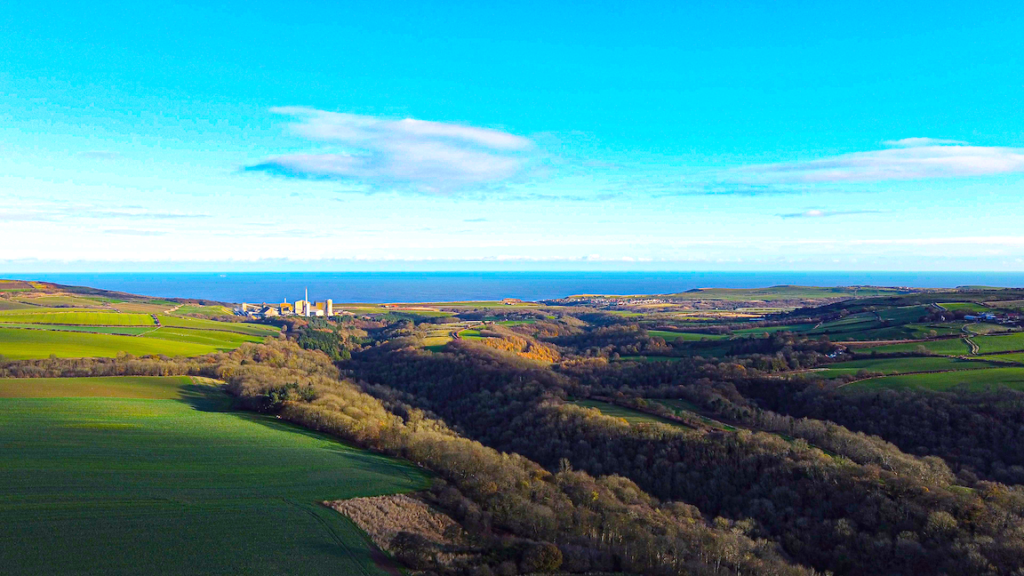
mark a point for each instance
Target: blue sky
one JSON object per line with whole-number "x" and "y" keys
{"x": 643, "y": 135}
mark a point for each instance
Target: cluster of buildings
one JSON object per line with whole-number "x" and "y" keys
{"x": 300, "y": 308}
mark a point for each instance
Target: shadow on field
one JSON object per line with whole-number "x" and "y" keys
{"x": 205, "y": 398}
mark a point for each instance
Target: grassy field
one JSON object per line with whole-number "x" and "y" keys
{"x": 218, "y": 339}
{"x": 965, "y": 306}
{"x": 951, "y": 347}
{"x": 1009, "y": 343}
{"x": 204, "y": 310}
{"x": 201, "y": 324}
{"x": 148, "y": 387}
{"x": 1013, "y": 357}
{"x": 125, "y": 330}
{"x": 903, "y": 314}
{"x": 684, "y": 336}
{"x": 974, "y": 380}
{"x": 627, "y": 414}
{"x": 176, "y": 486}
{"x": 901, "y": 366}
{"x": 18, "y": 344}
{"x": 13, "y": 305}
{"x": 155, "y": 307}
{"x": 772, "y": 329}
{"x": 78, "y": 318}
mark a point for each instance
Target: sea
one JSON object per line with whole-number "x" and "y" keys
{"x": 380, "y": 287}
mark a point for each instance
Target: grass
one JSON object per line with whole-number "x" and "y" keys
{"x": 203, "y": 310}
{"x": 772, "y": 329}
{"x": 144, "y": 307}
{"x": 669, "y": 336}
{"x": 965, "y": 306}
{"x": 150, "y": 387}
{"x": 78, "y": 318}
{"x": 649, "y": 358}
{"x": 902, "y": 365}
{"x": 223, "y": 341}
{"x": 177, "y": 486}
{"x": 973, "y": 380}
{"x": 16, "y": 344}
{"x": 67, "y": 301}
{"x": 470, "y": 335}
{"x": 986, "y": 328}
{"x": 627, "y": 414}
{"x": 1015, "y": 357}
{"x": 126, "y": 330}
{"x": 201, "y": 324}
{"x": 904, "y": 314}
{"x": 949, "y": 347}
{"x": 13, "y": 305}
{"x": 1009, "y": 343}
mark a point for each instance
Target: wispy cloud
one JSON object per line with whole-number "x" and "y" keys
{"x": 917, "y": 142}
{"x": 827, "y": 213}
{"x": 908, "y": 159}
{"x": 429, "y": 157}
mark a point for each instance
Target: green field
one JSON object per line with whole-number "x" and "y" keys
{"x": 684, "y": 336}
{"x": 201, "y": 324}
{"x": 13, "y": 305}
{"x": 950, "y": 347}
{"x": 901, "y": 366}
{"x": 176, "y": 486}
{"x": 150, "y": 387}
{"x": 1014, "y": 357}
{"x": 215, "y": 338}
{"x": 974, "y": 380}
{"x": 18, "y": 344}
{"x": 627, "y": 414}
{"x": 965, "y": 306}
{"x": 203, "y": 310}
{"x": 772, "y": 329}
{"x": 78, "y": 318}
{"x": 1009, "y": 343}
{"x": 126, "y": 330}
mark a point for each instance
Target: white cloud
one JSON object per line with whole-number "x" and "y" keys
{"x": 913, "y": 159}
{"x": 917, "y": 142}
{"x": 431, "y": 157}
{"x": 815, "y": 213}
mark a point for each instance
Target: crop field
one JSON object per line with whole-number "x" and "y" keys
{"x": 985, "y": 328}
{"x": 19, "y": 344}
{"x": 772, "y": 329}
{"x": 156, "y": 307}
{"x": 180, "y": 485}
{"x": 903, "y": 315}
{"x": 627, "y": 414}
{"x": 964, "y": 306}
{"x": 203, "y": 310}
{"x": 13, "y": 305}
{"x": 1009, "y": 343}
{"x": 151, "y": 387}
{"x": 973, "y": 380}
{"x": 949, "y": 347}
{"x": 933, "y": 330}
{"x": 684, "y": 336}
{"x": 902, "y": 366}
{"x": 223, "y": 341}
{"x": 78, "y": 318}
{"x": 201, "y": 324}
{"x": 125, "y": 330}
{"x": 68, "y": 301}
{"x": 1012, "y": 357}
